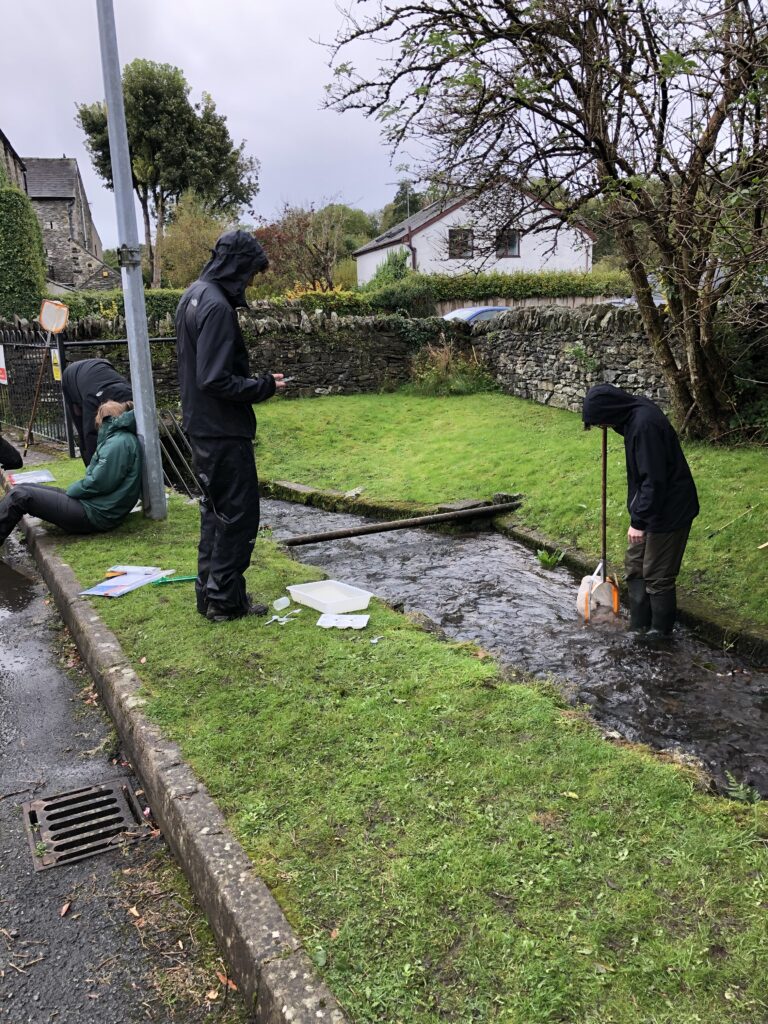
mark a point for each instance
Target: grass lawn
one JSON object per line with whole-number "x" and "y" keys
{"x": 438, "y": 449}
{"x": 451, "y": 846}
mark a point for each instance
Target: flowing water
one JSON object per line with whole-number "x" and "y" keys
{"x": 493, "y": 591}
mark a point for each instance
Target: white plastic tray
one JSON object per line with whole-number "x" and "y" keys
{"x": 330, "y": 596}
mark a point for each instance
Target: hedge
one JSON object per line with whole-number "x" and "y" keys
{"x": 160, "y": 303}
{"x": 414, "y": 295}
{"x": 549, "y": 284}
{"x": 417, "y": 294}
{"x": 22, "y": 257}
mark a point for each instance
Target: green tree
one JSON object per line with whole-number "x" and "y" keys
{"x": 189, "y": 238}
{"x": 407, "y": 201}
{"x": 174, "y": 145}
{"x": 22, "y": 256}
{"x": 306, "y": 245}
{"x": 657, "y": 110}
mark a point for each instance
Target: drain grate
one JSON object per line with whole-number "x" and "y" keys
{"x": 82, "y": 823}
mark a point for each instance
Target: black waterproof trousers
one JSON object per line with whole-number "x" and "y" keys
{"x": 48, "y": 503}
{"x": 657, "y": 560}
{"x": 229, "y": 521}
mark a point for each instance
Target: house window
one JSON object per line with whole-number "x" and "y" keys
{"x": 460, "y": 244}
{"x": 508, "y": 243}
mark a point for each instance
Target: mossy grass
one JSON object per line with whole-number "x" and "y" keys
{"x": 449, "y": 844}
{"x": 429, "y": 450}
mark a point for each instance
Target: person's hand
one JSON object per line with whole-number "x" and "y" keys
{"x": 635, "y": 536}
{"x": 279, "y": 381}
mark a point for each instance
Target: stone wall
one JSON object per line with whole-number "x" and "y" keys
{"x": 325, "y": 355}
{"x": 554, "y": 355}
{"x": 329, "y": 355}
{"x": 69, "y": 261}
{"x": 550, "y": 354}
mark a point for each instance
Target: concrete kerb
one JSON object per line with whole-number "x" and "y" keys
{"x": 699, "y": 616}
{"x": 265, "y": 957}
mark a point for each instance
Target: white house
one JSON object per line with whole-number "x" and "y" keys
{"x": 447, "y": 237}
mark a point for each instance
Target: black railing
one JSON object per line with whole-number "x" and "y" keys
{"x": 31, "y": 394}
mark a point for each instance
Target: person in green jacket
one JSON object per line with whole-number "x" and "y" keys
{"x": 106, "y": 494}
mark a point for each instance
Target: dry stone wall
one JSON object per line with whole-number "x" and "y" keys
{"x": 332, "y": 355}
{"x": 550, "y": 355}
{"x": 553, "y": 355}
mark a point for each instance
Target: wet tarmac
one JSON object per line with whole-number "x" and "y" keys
{"x": 70, "y": 951}
{"x": 493, "y": 591}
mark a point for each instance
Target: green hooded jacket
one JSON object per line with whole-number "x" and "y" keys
{"x": 112, "y": 483}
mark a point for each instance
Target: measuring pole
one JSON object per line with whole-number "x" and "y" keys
{"x": 129, "y": 254}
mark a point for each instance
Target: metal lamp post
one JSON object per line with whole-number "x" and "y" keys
{"x": 129, "y": 253}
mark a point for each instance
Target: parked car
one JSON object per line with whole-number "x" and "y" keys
{"x": 472, "y": 314}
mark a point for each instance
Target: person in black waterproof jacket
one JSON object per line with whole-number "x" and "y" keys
{"x": 217, "y": 398}
{"x": 661, "y": 498}
{"x": 86, "y": 384}
{"x": 10, "y": 457}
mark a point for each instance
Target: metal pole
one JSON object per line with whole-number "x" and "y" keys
{"x": 68, "y": 431}
{"x": 130, "y": 266}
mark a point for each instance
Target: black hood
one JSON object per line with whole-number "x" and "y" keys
{"x": 237, "y": 256}
{"x": 606, "y": 404}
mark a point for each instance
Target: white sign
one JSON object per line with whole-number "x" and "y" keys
{"x": 3, "y": 371}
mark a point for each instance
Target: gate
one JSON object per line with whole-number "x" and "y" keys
{"x": 30, "y": 363}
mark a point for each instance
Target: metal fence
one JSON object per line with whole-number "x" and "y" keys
{"x": 30, "y": 380}
{"x": 31, "y": 395}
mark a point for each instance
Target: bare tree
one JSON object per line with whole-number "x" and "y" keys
{"x": 650, "y": 112}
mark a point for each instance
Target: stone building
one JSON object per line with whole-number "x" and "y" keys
{"x": 11, "y": 163}
{"x": 72, "y": 244}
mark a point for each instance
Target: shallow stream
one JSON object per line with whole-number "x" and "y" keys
{"x": 491, "y": 590}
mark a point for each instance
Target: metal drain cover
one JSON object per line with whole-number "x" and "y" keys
{"x": 79, "y": 824}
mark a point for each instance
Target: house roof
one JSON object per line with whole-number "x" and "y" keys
{"x": 398, "y": 234}
{"x": 51, "y": 177}
{"x": 6, "y": 144}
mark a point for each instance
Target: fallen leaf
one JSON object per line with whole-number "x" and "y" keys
{"x": 180, "y": 944}
{"x": 226, "y": 981}
{"x": 143, "y": 661}
{"x": 134, "y": 912}
{"x": 65, "y": 907}
{"x": 570, "y": 795}
{"x": 604, "y": 969}
{"x": 334, "y": 933}
{"x": 213, "y": 994}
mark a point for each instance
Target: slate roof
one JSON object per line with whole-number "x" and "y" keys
{"x": 399, "y": 232}
{"x": 51, "y": 177}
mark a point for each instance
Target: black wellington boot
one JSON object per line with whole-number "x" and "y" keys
{"x": 639, "y": 606}
{"x": 663, "y": 612}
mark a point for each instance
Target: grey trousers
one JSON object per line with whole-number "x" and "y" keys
{"x": 657, "y": 560}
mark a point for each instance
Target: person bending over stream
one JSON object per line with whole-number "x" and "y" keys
{"x": 106, "y": 494}
{"x": 661, "y": 498}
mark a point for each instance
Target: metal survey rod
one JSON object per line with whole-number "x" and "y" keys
{"x": 482, "y": 511}
{"x": 129, "y": 256}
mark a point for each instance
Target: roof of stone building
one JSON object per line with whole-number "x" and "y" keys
{"x": 5, "y": 142}
{"x": 51, "y": 177}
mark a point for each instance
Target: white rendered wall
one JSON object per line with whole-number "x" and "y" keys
{"x": 567, "y": 249}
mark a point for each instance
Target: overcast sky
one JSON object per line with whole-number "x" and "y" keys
{"x": 256, "y": 58}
